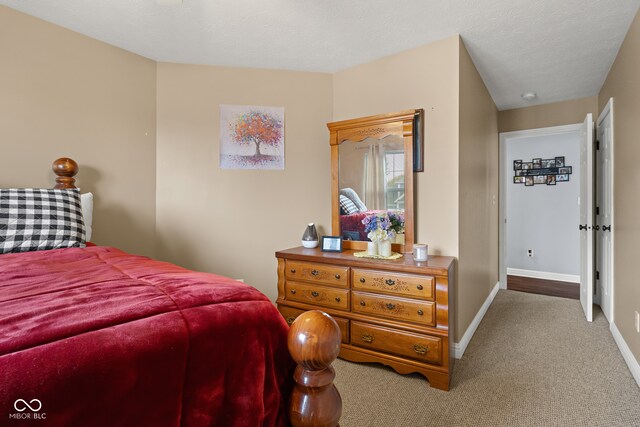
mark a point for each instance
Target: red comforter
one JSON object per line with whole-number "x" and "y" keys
{"x": 103, "y": 338}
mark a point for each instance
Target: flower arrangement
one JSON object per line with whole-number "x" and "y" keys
{"x": 383, "y": 225}
{"x": 397, "y": 221}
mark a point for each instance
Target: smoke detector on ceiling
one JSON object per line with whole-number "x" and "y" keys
{"x": 529, "y": 96}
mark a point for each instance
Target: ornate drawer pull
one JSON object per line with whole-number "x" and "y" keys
{"x": 293, "y": 270}
{"x": 290, "y": 320}
{"x": 314, "y": 272}
{"x": 390, "y": 282}
{"x": 293, "y": 291}
{"x": 362, "y": 280}
{"x": 314, "y": 294}
{"x": 420, "y": 349}
{"x": 338, "y": 299}
{"x": 391, "y": 306}
{"x": 338, "y": 276}
{"x": 420, "y": 312}
{"x": 367, "y": 337}
{"x": 419, "y": 287}
{"x": 362, "y": 303}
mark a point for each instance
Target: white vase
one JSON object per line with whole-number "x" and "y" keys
{"x": 384, "y": 248}
{"x": 372, "y": 248}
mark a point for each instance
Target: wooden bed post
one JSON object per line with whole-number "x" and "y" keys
{"x": 314, "y": 343}
{"x": 65, "y": 169}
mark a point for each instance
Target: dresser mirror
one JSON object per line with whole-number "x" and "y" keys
{"x": 372, "y": 164}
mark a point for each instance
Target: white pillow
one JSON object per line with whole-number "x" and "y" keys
{"x": 86, "y": 200}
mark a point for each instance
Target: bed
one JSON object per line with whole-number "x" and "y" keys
{"x": 351, "y": 226}
{"x": 96, "y": 336}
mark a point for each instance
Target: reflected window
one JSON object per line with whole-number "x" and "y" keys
{"x": 394, "y": 180}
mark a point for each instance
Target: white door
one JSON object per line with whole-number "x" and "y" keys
{"x": 586, "y": 217}
{"x": 604, "y": 217}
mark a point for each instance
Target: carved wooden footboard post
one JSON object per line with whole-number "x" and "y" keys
{"x": 314, "y": 343}
{"x": 65, "y": 169}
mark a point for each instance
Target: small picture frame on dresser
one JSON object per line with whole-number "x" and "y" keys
{"x": 331, "y": 244}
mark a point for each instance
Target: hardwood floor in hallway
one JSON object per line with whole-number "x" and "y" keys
{"x": 552, "y": 288}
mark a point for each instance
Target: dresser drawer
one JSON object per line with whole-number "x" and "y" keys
{"x": 422, "y": 312}
{"x": 290, "y": 314}
{"x": 425, "y": 348}
{"x": 394, "y": 283}
{"x": 317, "y": 273}
{"x": 318, "y": 295}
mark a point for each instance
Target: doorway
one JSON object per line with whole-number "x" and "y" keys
{"x": 540, "y": 210}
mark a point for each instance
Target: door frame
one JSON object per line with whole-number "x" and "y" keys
{"x": 608, "y": 109}
{"x": 503, "y": 179}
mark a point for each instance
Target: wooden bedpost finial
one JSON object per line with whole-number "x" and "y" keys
{"x": 314, "y": 343}
{"x": 65, "y": 169}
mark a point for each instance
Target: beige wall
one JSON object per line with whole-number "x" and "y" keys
{"x": 231, "y": 222}
{"x": 64, "y": 94}
{"x": 478, "y": 194}
{"x": 547, "y": 115}
{"x": 425, "y": 77}
{"x": 623, "y": 85}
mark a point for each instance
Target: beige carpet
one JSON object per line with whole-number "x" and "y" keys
{"x": 534, "y": 361}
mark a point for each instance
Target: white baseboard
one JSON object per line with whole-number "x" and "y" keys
{"x": 573, "y": 278}
{"x": 632, "y": 363}
{"x": 460, "y": 347}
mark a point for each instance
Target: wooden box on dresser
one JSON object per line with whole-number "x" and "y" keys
{"x": 394, "y": 312}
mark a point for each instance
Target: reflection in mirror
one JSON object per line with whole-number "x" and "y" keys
{"x": 371, "y": 179}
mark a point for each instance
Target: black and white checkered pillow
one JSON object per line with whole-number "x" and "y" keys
{"x": 347, "y": 206}
{"x": 34, "y": 219}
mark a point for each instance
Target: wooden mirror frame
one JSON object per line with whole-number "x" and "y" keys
{"x": 400, "y": 123}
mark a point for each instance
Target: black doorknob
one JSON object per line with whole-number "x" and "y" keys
{"x": 582, "y": 227}
{"x": 606, "y": 228}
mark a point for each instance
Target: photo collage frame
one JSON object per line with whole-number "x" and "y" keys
{"x": 541, "y": 171}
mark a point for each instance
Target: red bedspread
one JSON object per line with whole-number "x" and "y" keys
{"x": 104, "y": 338}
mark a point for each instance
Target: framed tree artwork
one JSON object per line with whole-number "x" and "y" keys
{"x": 251, "y": 137}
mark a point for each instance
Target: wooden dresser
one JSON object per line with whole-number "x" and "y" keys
{"x": 392, "y": 312}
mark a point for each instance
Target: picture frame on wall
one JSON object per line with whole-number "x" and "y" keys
{"x": 251, "y": 137}
{"x": 565, "y": 170}
{"x": 541, "y": 171}
{"x": 418, "y": 141}
{"x": 548, "y": 163}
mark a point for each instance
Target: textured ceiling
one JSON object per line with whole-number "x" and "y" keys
{"x": 560, "y": 49}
